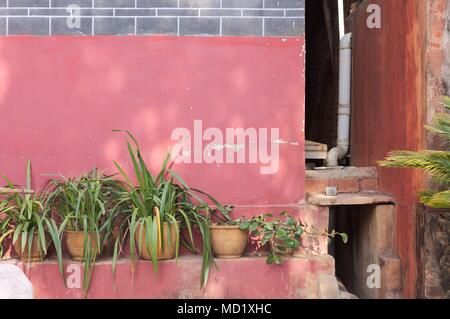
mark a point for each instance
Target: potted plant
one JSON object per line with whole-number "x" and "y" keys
{"x": 228, "y": 239}
{"x": 25, "y": 218}
{"x": 87, "y": 209}
{"x": 282, "y": 234}
{"x": 162, "y": 206}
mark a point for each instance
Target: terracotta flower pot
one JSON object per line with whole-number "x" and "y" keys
{"x": 75, "y": 244}
{"x": 228, "y": 242}
{"x": 169, "y": 245}
{"x": 35, "y": 254}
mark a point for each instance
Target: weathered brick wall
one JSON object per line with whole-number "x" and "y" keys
{"x": 154, "y": 17}
{"x": 435, "y": 255}
{"x": 434, "y": 230}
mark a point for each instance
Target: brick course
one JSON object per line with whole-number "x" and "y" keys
{"x": 279, "y": 18}
{"x": 349, "y": 180}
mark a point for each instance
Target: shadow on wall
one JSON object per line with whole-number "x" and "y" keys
{"x": 61, "y": 97}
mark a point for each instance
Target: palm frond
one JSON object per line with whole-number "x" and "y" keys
{"x": 441, "y": 127}
{"x": 446, "y": 102}
{"x": 436, "y": 199}
{"x": 435, "y": 163}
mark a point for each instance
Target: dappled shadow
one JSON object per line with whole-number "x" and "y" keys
{"x": 61, "y": 97}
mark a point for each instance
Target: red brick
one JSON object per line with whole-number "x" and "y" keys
{"x": 346, "y": 185}
{"x": 316, "y": 185}
{"x": 369, "y": 184}
{"x": 391, "y": 274}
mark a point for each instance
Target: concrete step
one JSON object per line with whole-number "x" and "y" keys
{"x": 248, "y": 277}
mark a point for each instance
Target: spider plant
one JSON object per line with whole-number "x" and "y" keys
{"x": 166, "y": 199}
{"x": 86, "y": 207}
{"x": 25, "y": 218}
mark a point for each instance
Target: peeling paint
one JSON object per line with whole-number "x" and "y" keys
{"x": 234, "y": 147}
{"x": 281, "y": 141}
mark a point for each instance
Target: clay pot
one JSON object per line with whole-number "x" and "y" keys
{"x": 34, "y": 255}
{"x": 169, "y": 245}
{"x": 228, "y": 242}
{"x": 75, "y": 244}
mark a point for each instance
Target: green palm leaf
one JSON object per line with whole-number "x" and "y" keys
{"x": 434, "y": 163}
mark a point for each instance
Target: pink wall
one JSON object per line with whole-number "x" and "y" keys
{"x": 61, "y": 97}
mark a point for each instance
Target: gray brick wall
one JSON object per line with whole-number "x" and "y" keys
{"x": 281, "y": 18}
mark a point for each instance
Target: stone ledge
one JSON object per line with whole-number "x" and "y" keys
{"x": 248, "y": 277}
{"x": 349, "y": 199}
{"x": 346, "y": 172}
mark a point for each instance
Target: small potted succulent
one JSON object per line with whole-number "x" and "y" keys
{"x": 25, "y": 219}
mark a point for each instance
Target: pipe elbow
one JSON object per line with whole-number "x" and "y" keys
{"x": 346, "y": 41}
{"x": 336, "y": 154}
{"x": 333, "y": 157}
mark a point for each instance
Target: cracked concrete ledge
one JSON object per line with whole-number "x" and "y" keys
{"x": 346, "y": 172}
{"x": 349, "y": 199}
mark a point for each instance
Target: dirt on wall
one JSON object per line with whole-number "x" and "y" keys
{"x": 388, "y": 102}
{"x": 436, "y": 255}
{"x": 434, "y": 226}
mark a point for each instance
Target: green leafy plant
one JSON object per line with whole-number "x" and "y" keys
{"x": 166, "y": 198}
{"x": 435, "y": 163}
{"x": 91, "y": 204}
{"x": 226, "y": 221}
{"x": 24, "y": 217}
{"x": 282, "y": 233}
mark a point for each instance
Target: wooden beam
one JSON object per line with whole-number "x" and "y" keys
{"x": 315, "y": 150}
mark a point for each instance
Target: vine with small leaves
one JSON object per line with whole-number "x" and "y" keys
{"x": 282, "y": 233}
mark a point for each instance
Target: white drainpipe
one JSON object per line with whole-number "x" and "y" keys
{"x": 344, "y": 110}
{"x": 341, "y": 18}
